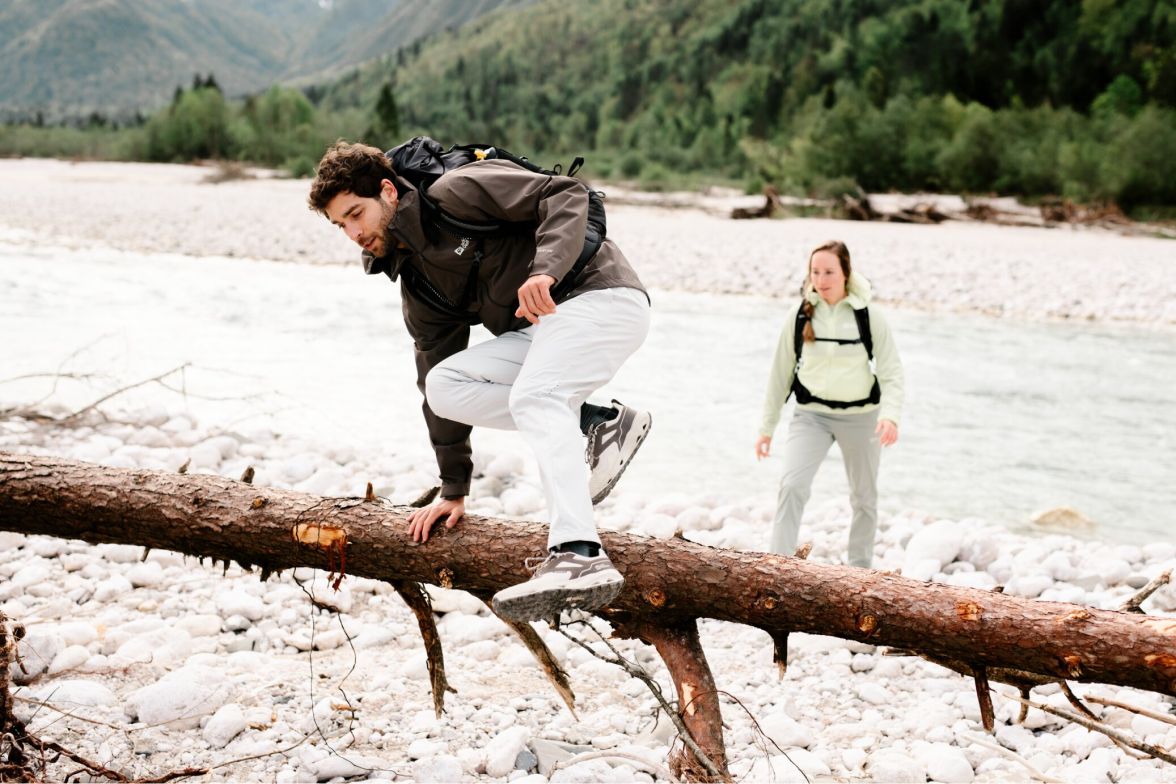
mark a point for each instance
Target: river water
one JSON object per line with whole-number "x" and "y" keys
{"x": 1003, "y": 418}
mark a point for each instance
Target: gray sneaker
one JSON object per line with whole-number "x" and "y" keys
{"x": 561, "y": 581}
{"x": 611, "y": 446}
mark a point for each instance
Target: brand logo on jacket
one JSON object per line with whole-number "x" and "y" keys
{"x": 460, "y": 249}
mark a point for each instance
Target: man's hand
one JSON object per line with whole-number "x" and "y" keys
{"x": 420, "y": 521}
{"x": 887, "y": 432}
{"x": 535, "y": 298}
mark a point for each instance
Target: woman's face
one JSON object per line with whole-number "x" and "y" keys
{"x": 826, "y": 276}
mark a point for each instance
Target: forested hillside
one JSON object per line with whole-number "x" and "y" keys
{"x": 1025, "y": 96}
{"x": 68, "y": 59}
{"x": 1028, "y": 97}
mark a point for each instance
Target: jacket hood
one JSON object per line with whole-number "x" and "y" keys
{"x": 857, "y": 286}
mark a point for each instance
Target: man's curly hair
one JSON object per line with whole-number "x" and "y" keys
{"x": 358, "y": 168}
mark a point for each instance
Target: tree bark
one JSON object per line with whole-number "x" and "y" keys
{"x": 669, "y": 583}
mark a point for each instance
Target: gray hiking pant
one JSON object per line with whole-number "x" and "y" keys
{"x": 809, "y": 437}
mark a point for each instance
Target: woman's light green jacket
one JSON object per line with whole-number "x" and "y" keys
{"x": 832, "y": 371}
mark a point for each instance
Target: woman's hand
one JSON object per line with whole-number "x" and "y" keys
{"x": 420, "y": 521}
{"x": 763, "y": 447}
{"x": 887, "y": 432}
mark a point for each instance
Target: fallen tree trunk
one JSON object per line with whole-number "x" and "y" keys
{"x": 669, "y": 583}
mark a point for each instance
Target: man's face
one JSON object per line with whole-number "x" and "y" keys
{"x": 365, "y": 220}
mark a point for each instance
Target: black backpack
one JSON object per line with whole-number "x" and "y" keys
{"x": 865, "y": 337}
{"x": 422, "y": 160}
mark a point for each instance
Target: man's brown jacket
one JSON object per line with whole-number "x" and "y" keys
{"x": 556, "y": 209}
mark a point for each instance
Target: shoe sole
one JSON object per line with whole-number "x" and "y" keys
{"x": 545, "y": 605}
{"x": 596, "y": 499}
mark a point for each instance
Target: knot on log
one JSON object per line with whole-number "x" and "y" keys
{"x": 656, "y": 597}
{"x": 258, "y": 503}
{"x": 968, "y": 611}
{"x": 867, "y": 624}
{"x": 330, "y": 538}
{"x": 1073, "y": 665}
{"x": 768, "y": 602}
{"x": 1075, "y": 616}
{"x": 445, "y": 578}
{"x": 1161, "y": 661}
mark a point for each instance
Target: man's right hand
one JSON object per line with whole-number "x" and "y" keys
{"x": 420, "y": 521}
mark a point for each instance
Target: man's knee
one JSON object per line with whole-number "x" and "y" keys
{"x": 441, "y": 384}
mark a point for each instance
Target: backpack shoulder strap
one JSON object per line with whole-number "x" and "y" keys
{"x": 863, "y": 321}
{"x": 798, "y": 331}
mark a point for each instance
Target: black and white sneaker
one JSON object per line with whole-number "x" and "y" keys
{"x": 611, "y": 446}
{"x": 561, "y": 581}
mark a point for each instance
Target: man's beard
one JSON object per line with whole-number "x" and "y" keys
{"x": 387, "y": 219}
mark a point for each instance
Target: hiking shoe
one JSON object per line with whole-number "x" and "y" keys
{"x": 561, "y": 581}
{"x": 611, "y": 446}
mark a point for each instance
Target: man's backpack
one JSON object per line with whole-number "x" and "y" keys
{"x": 865, "y": 337}
{"x": 422, "y": 160}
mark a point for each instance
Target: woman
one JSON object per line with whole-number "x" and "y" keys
{"x": 826, "y": 351}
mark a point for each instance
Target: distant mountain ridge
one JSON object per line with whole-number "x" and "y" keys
{"x": 69, "y": 58}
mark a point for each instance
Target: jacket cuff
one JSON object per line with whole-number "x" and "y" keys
{"x": 455, "y": 490}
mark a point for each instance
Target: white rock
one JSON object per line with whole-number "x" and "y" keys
{"x": 68, "y": 694}
{"x": 78, "y": 633}
{"x": 10, "y": 541}
{"x": 589, "y": 772}
{"x": 119, "y": 553}
{"x": 809, "y": 762}
{"x": 942, "y": 540}
{"x": 1099, "y": 767}
{"x": 37, "y": 650}
{"x": 297, "y": 469}
{"x": 945, "y": 763}
{"x": 228, "y": 722}
{"x": 446, "y": 600}
{"x": 504, "y": 466}
{"x": 422, "y": 748}
{"x": 70, "y": 658}
{"x": 112, "y": 588}
{"x": 32, "y": 573}
{"x": 238, "y": 602}
{"x": 145, "y": 574}
{"x": 920, "y": 568}
{"x": 872, "y": 693}
{"x": 982, "y": 580}
{"x": 785, "y": 731}
{"x": 200, "y": 625}
{"x": 503, "y": 749}
{"x": 183, "y": 697}
{"x": 162, "y": 646}
{"x": 442, "y": 769}
{"x": 346, "y": 764}
{"x": 1028, "y": 586}
{"x": 1142, "y": 726}
{"x": 777, "y": 769}
{"x": 895, "y": 767}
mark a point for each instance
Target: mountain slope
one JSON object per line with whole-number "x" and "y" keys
{"x": 68, "y": 58}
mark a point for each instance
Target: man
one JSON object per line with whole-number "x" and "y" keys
{"x": 562, "y": 329}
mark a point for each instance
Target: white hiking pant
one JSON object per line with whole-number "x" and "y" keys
{"x": 810, "y": 435}
{"x": 535, "y": 380}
